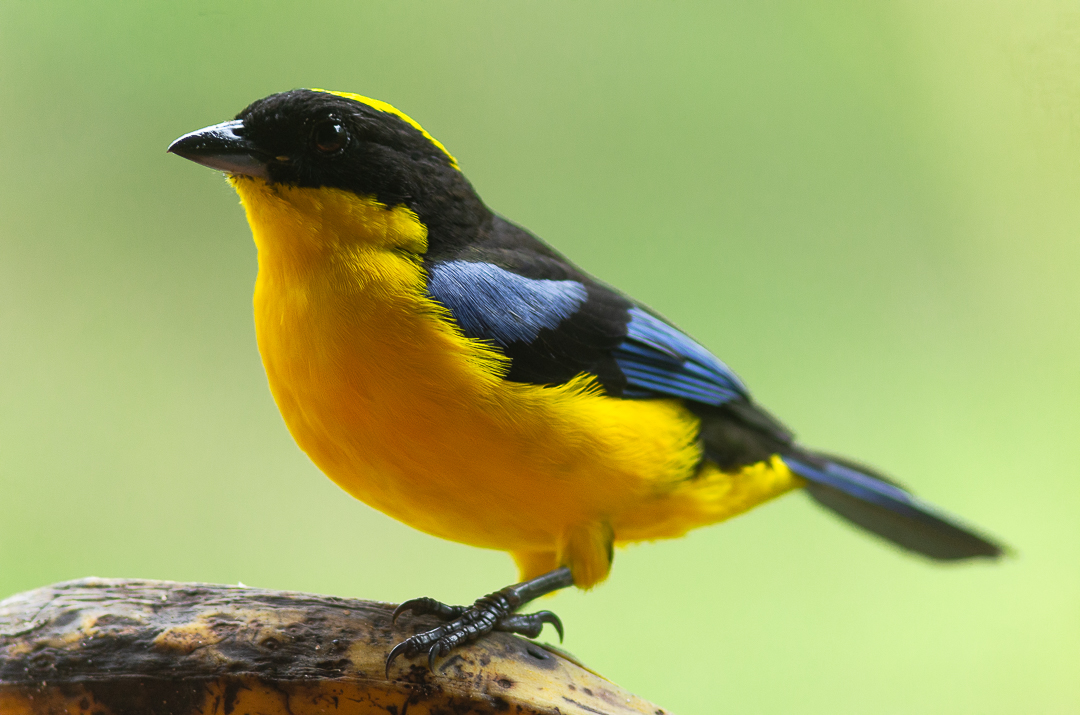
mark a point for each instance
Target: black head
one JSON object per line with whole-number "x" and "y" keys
{"x": 313, "y": 138}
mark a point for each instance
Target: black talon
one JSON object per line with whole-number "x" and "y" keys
{"x": 555, "y": 621}
{"x": 543, "y": 617}
{"x": 394, "y": 653}
{"x": 530, "y": 624}
{"x": 402, "y": 607}
{"x": 496, "y": 611}
{"x": 424, "y": 606}
{"x": 433, "y": 654}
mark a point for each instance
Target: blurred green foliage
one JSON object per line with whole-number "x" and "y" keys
{"x": 870, "y": 210}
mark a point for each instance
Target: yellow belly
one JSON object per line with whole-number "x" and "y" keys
{"x": 402, "y": 411}
{"x": 394, "y": 410}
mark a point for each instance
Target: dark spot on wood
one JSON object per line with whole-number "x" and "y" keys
{"x": 505, "y": 683}
{"x": 535, "y": 656}
{"x": 63, "y": 618}
{"x": 454, "y": 660}
{"x": 84, "y": 704}
{"x": 110, "y": 619}
{"x": 585, "y": 707}
{"x": 418, "y": 674}
{"x": 146, "y": 696}
{"x": 500, "y": 704}
{"x": 232, "y": 690}
{"x": 587, "y": 692}
{"x": 339, "y": 665}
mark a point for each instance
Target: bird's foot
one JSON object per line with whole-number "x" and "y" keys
{"x": 464, "y": 624}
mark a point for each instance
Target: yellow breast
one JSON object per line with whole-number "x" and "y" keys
{"x": 401, "y": 410}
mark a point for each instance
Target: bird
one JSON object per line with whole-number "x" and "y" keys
{"x": 449, "y": 368}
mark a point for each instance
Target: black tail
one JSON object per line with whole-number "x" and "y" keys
{"x": 881, "y": 506}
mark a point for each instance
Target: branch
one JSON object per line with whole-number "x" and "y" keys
{"x": 126, "y": 647}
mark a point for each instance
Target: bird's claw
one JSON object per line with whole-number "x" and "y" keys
{"x": 425, "y": 605}
{"x": 466, "y": 624}
{"x": 394, "y": 653}
{"x": 530, "y": 624}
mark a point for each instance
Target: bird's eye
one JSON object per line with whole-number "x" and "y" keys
{"x": 329, "y": 136}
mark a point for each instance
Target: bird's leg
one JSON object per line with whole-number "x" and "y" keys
{"x": 494, "y": 612}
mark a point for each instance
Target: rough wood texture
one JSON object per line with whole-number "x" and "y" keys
{"x": 118, "y": 647}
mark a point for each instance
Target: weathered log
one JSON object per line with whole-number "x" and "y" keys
{"x": 120, "y": 647}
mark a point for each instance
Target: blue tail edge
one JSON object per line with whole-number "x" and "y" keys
{"x": 883, "y": 507}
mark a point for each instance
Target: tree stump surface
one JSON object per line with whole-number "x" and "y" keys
{"x": 130, "y": 647}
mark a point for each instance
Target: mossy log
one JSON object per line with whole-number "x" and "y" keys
{"x": 124, "y": 647}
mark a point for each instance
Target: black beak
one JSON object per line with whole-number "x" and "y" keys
{"x": 223, "y": 147}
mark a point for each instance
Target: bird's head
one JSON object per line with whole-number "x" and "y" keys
{"x": 290, "y": 144}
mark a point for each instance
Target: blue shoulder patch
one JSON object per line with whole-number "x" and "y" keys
{"x": 494, "y": 304}
{"x": 659, "y": 360}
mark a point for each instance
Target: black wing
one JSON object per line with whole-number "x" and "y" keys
{"x": 554, "y": 322}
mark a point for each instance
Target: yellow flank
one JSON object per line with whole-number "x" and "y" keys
{"x": 407, "y": 414}
{"x": 390, "y": 109}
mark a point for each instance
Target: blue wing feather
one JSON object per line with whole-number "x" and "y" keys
{"x": 659, "y": 360}
{"x": 655, "y": 358}
{"x": 867, "y": 488}
{"x": 495, "y": 304}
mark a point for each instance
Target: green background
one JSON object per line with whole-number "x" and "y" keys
{"x": 870, "y": 210}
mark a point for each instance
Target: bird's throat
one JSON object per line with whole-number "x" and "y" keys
{"x": 308, "y": 225}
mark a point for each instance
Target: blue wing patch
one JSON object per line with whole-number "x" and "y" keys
{"x": 655, "y": 358}
{"x": 659, "y": 360}
{"x": 501, "y": 306}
